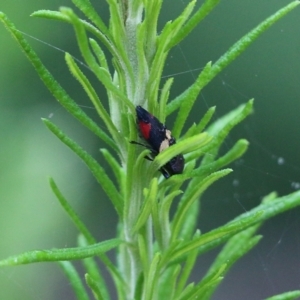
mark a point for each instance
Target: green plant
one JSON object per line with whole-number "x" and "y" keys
{"x": 156, "y": 253}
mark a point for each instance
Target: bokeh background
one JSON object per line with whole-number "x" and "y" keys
{"x": 269, "y": 71}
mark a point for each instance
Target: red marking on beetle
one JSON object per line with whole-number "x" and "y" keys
{"x": 145, "y": 129}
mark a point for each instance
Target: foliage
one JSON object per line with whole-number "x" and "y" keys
{"x": 156, "y": 252}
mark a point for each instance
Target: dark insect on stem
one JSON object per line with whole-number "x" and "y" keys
{"x": 158, "y": 138}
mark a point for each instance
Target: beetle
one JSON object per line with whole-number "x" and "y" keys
{"x": 158, "y": 138}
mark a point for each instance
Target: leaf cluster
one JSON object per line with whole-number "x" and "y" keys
{"x": 156, "y": 250}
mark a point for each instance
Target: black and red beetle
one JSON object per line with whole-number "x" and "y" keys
{"x": 159, "y": 138}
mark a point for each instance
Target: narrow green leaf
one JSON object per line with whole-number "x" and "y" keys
{"x": 94, "y": 286}
{"x": 115, "y": 166}
{"x": 71, "y": 213}
{"x": 152, "y": 277}
{"x": 134, "y": 180}
{"x": 238, "y": 149}
{"x": 270, "y": 197}
{"x": 206, "y": 118}
{"x": 189, "y": 226}
{"x": 52, "y": 15}
{"x": 147, "y": 205}
{"x": 86, "y": 7}
{"x": 189, "y": 96}
{"x": 186, "y": 291}
{"x": 74, "y": 280}
{"x": 132, "y": 160}
{"x": 142, "y": 65}
{"x": 189, "y": 144}
{"x": 236, "y": 248}
{"x": 116, "y": 25}
{"x": 259, "y": 214}
{"x": 84, "y": 231}
{"x": 101, "y": 73}
{"x": 195, "y": 129}
{"x": 164, "y": 213}
{"x": 249, "y": 244}
{"x": 120, "y": 37}
{"x": 157, "y": 226}
{"x": 201, "y": 289}
{"x": 239, "y": 245}
{"x": 164, "y": 96}
{"x": 152, "y": 10}
{"x": 188, "y": 267}
{"x": 60, "y": 254}
{"x": 211, "y": 245}
{"x": 201, "y": 13}
{"x": 222, "y": 127}
{"x": 78, "y": 74}
{"x": 96, "y": 281}
{"x": 100, "y": 55}
{"x": 98, "y": 172}
{"x": 144, "y": 254}
{"x": 82, "y": 38}
{"x": 238, "y": 113}
{"x": 177, "y": 24}
{"x": 134, "y": 173}
{"x": 139, "y": 287}
{"x": 168, "y": 283}
{"x": 193, "y": 195}
{"x": 58, "y": 16}
{"x": 293, "y": 295}
{"x": 227, "y": 230}
{"x": 273, "y": 208}
{"x": 162, "y": 51}
{"x": 157, "y": 67}
{"x": 240, "y": 46}
{"x": 56, "y": 90}
{"x": 186, "y": 99}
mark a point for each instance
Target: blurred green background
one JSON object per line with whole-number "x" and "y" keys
{"x": 269, "y": 71}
